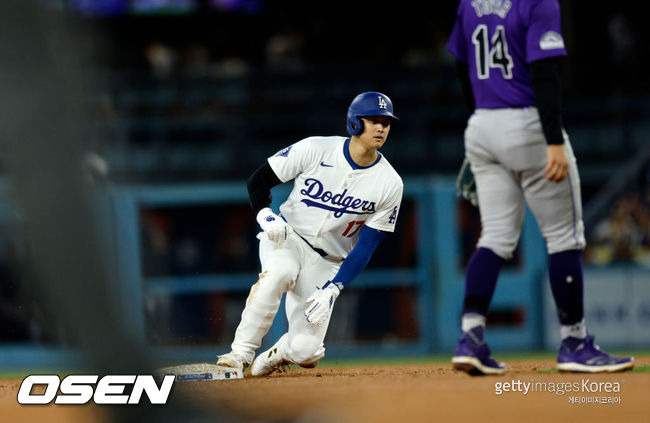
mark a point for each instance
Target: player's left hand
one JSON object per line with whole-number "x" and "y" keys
{"x": 320, "y": 303}
{"x": 557, "y": 167}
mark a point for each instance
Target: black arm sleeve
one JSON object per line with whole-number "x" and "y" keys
{"x": 462, "y": 72}
{"x": 545, "y": 77}
{"x": 259, "y": 186}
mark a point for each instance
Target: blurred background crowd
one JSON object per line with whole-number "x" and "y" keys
{"x": 190, "y": 91}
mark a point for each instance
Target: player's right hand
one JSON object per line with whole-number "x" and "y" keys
{"x": 273, "y": 225}
{"x": 557, "y": 167}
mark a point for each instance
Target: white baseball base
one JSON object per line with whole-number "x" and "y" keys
{"x": 194, "y": 372}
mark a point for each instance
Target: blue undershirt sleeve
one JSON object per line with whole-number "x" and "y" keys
{"x": 359, "y": 257}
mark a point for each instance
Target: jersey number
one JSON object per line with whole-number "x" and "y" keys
{"x": 492, "y": 54}
{"x": 349, "y": 231}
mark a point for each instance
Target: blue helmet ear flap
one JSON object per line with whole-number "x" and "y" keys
{"x": 355, "y": 125}
{"x": 370, "y": 103}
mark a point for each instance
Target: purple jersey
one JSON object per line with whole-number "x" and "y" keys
{"x": 497, "y": 39}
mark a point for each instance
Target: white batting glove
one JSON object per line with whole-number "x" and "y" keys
{"x": 273, "y": 225}
{"x": 321, "y": 302}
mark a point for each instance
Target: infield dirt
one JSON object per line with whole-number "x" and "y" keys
{"x": 390, "y": 393}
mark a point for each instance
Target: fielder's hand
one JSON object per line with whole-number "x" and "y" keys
{"x": 320, "y": 303}
{"x": 275, "y": 227}
{"x": 465, "y": 184}
{"x": 557, "y": 167}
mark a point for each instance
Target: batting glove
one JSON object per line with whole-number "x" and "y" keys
{"x": 321, "y": 302}
{"x": 273, "y": 225}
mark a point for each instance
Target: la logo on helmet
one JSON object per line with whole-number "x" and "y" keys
{"x": 382, "y": 103}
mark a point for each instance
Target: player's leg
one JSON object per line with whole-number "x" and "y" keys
{"x": 280, "y": 266}
{"x": 501, "y": 201}
{"x": 502, "y": 210}
{"x": 557, "y": 207}
{"x": 303, "y": 342}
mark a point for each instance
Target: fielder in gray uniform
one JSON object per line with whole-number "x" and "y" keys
{"x": 508, "y": 59}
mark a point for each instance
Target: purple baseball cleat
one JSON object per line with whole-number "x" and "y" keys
{"x": 582, "y": 355}
{"x": 473, "y": 355}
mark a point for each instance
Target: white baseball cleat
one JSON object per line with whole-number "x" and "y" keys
{"x": 271, "y": 359}
{"x": 233, "y": 361}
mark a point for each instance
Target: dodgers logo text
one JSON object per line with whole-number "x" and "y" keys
{"x": 340, "y": 203}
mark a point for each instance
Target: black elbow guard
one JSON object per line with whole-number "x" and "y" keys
{"x": 259, "y": 186}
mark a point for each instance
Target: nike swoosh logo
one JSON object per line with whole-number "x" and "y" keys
{"x": 325, "y": 165}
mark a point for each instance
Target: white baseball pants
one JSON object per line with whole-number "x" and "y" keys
{"x": 295, "y": 268}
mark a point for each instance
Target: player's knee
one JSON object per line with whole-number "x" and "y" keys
{"x": 573, "y": 239}
{"x": 305, "y": 350}
{"x": 501, "y": 249}
{"x": 567, "y": 245}
{"x": 501, "y": 240}
{"x": 279, "y": 277}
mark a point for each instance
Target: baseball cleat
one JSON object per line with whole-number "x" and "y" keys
{"x": 233, "y": 361}
{"x": 271, "y": 360}
{"x": 582, "y": 355}
{"x": 473, "y": 355}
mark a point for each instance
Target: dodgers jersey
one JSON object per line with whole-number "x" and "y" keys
{"x": 497, "y": 39}
{"x": 332, "y": 196}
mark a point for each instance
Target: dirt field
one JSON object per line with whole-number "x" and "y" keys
{"x": 393, "y": 393}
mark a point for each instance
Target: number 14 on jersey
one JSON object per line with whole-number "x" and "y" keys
{"x": 491, "y": 53}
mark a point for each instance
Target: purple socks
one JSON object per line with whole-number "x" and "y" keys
{"x": 481, "y": 280}
{"x": 565, "y": 273}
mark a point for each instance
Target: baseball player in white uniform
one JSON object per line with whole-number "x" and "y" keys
{"x": 345, "y": 198}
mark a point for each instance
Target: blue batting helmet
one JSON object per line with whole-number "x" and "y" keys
{"x": 371, "y": 103}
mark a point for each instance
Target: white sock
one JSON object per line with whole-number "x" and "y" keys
{"x": 472, "y": 320}
{"x": 577, "y": 330}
